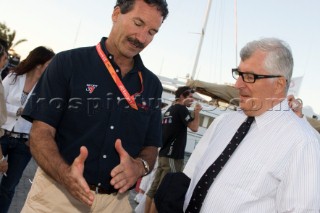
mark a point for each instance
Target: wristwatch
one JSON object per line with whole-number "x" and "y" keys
{"x": 146, "y": 166}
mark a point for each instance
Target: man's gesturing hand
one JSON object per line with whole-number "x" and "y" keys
{"x": 127, "y": 172}
{"x": 75, "y": 182}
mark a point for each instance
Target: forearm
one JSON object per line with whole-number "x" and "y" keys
{"x": 194, "y": 125}
{"x": 45, "y": 151}
{"x": 149, "y": 154}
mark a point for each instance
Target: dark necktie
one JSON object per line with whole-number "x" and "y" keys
{"x": 202, "y": 187}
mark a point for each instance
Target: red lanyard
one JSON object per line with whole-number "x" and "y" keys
{"x": 130, "y": 98}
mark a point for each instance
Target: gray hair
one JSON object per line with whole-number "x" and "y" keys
{"x": 279, "y": 60}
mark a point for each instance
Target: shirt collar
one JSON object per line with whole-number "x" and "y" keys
{"x": 272, "y": 114}
{"x": 138, "y": 64}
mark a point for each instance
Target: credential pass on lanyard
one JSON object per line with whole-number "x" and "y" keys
{"x": 130, "y": 98}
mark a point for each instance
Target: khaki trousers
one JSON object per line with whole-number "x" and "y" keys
{"x": 46, "y": 195}
{"x": 165, "y": 165}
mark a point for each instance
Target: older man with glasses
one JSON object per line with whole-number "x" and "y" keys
{"x": 276, "y": 166}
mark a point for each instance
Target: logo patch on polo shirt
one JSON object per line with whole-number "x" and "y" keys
{"x": 91, "y": 88}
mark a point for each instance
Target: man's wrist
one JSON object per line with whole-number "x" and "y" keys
{"x": 145, "y": 165}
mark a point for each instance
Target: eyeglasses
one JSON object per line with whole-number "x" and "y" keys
{"x": 250, "y": 77}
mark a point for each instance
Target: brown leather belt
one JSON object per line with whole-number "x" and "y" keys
{"x": 16, "y": 135}
{"x": 99, "y": 190}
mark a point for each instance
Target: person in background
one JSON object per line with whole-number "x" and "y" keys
{"x": 276, "y": 167}
{"x": 296, "y": 105}
{"x": 3, "y": 110}
{"x": 175, "y": 122}
{"x": 4, "y": 57}
{"x": 13, "y": 61}
{"x": 18, "y": 87}
{"x": 102, "y": 131}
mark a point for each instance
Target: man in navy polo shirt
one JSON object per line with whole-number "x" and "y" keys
{"x": 97, "y": 118}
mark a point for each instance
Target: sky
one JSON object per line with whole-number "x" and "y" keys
{"x": 63, "y": 25}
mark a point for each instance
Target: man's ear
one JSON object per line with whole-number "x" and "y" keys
{"x": 281, "y": 85}
{"x": 115, "y": 13}
{"x": 182, "y": 97}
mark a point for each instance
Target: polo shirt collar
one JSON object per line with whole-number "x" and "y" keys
{"x": 138, "y": 64}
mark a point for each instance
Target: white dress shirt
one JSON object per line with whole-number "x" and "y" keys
{"x": 276, "y": 168}
{"x": 12, "y": 95}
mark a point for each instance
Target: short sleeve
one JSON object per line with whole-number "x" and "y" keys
{"x": 50, "y": 96}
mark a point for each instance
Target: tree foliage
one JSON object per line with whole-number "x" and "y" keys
{"x": 9, "y": 36}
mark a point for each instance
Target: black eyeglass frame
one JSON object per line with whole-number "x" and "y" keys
{"x": 255, "y": 76}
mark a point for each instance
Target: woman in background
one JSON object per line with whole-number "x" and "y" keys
{"x": 3, "y": 110}
{"x": 18, "y": 86}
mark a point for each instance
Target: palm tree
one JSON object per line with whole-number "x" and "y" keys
{"x": 7, "y": 35}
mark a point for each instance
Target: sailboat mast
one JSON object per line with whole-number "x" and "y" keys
{"x": 77, "y": 34}
{"x": 201, "y": 40}
{"x": 236, "y": 30}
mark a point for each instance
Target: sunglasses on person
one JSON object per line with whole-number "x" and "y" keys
{"x": 187, "y": 92}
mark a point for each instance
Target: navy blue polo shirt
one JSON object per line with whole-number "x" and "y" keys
{"x": 78, "y": 97}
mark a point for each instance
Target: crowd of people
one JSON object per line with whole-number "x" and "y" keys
{"x": 91, "y": 118}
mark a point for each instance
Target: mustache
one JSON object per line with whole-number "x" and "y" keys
{"x": 136, "y": 42}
